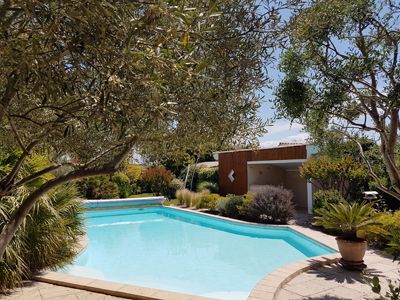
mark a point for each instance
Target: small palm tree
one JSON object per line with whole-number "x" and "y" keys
{"x": 50, "y": 234}
{"x": 349, "y": 218}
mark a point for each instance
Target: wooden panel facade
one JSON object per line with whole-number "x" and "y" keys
{"x": 237, "y": 161}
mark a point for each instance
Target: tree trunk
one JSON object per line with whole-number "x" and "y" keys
{"x": 389, "y": 160}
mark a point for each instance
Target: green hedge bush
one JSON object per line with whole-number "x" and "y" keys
{"x": 229, "y": 206}
{"x": 208, "y": 201}
{"x": 323, "y": 197}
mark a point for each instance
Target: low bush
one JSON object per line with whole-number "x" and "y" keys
{"x": 174, "y": 186}
{"x": 123, "y": 183}
{"x": 229, "y": 206}
{"x": 244, "y": 207}
{"x": 208, "y": 201}
{"x": 271, "y": 204}
{"x": 133, "y": 172}
{"x": 323, "y": 197}
{"x": 387, "y": 232}
{"x": 156, "y": 180}
{"x": 99, "y": 187}
{"x": 208, "y": 185}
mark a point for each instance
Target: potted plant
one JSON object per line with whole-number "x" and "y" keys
{"x": 351, "y": 219}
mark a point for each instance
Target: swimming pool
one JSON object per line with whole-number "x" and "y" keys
{"x": 165, "y": 248}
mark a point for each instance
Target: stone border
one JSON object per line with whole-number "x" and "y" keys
{"x": 269, "y": 287}
{"x": 105, "y": 203}
{"x": 266, "y": 289}
{"x": 112, "y": 288}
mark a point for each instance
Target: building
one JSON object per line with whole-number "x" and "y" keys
{"x": 240, "y": 169}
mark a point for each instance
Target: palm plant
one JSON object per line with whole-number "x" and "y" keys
{"x": 348, "y": 217}
{"x": 49, "y": 236}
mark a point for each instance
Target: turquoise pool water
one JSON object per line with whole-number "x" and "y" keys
{"x": 164, "y": 248}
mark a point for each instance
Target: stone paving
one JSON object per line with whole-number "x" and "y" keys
{"x": 42, "y": 291}
{"x": 333, "y": 282}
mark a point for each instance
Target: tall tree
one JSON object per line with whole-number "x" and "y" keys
{"x": 341, "y": 66}
{"x": 88, "y": 81}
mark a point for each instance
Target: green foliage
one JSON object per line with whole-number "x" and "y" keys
{"x": 48, "y": 238}
{"x": 342, "y": 174}
{"x": 387, "y": 233}
{"x": 324, "y": 197}
{"x": 156, "y": 180}
{"x": 247, "y": 200}
{"x": 133, "y": 172}
{"x": 352, "y": 219}
{"x": 338, "y": 75}
{"x": 208, "y": 201}
{"x": 123, "y": 183}
{"x": 175, "y": 185}
{"x": 207, "y": 174}
{"x": 207, "y": 185}
{"x": 393, "y": 291}
{"x": 229, "y": 205}
{"x": 99, "y": 187}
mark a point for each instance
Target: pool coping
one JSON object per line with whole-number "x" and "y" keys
{"x": 111, "y": 203}
{"x": 266, "y": 289}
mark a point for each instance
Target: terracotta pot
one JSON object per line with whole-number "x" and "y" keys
{"x": 352, "y": 251}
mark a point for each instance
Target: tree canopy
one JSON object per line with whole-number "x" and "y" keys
{"x": 341, "y": 72}
{"x": 88, "y": 81}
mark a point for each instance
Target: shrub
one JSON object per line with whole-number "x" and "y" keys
{"x": 207, "y": 185}
{"x": 271, "y": 204}
{"x": 244, "y": 207}
{"x": 229, "y": 206}
{"x": 99, "y": 187}
{"x": 133, "y": 172}
{"x": 343, "y": 174}
{"x": 156, "y": 180}
{"x": 323, "y": 197}
{"x": 175, "y": 185}
{"x": 208, "y": 201}
{"x": 48, "y": 239}
{"x": 123, "y": 183}
{"x": 385, "y": 233}
{"x": 207, "y": 174}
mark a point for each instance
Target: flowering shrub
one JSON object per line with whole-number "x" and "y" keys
{"x": 271, "y": 204}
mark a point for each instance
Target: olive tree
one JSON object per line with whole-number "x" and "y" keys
{"x": 341, "y": 72}
{"x": 86, "y": 82}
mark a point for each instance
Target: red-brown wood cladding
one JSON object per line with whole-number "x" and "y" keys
{"x": 237, "y": 161}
